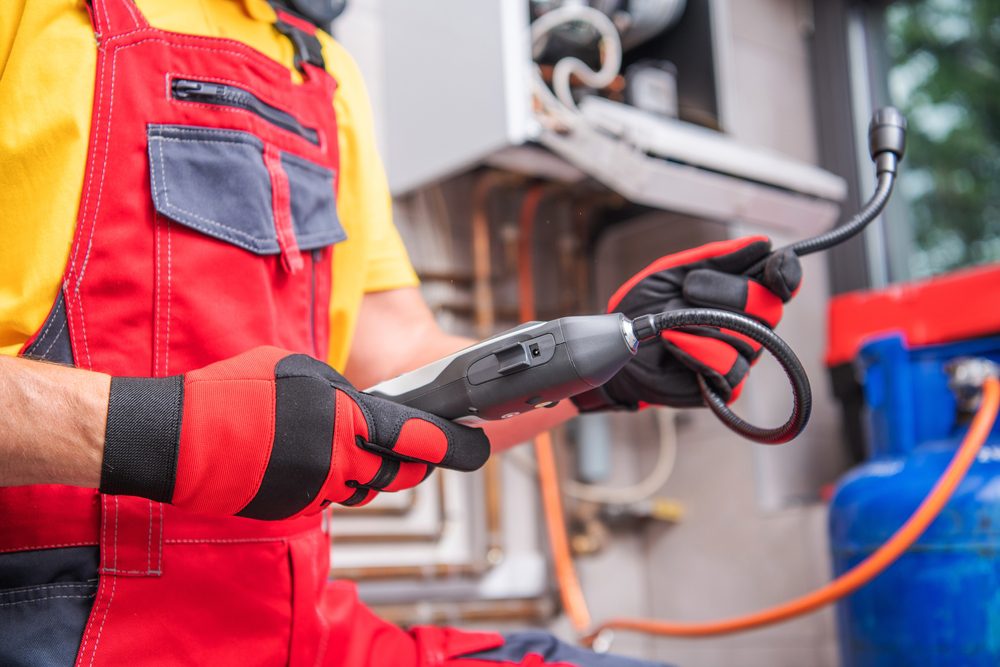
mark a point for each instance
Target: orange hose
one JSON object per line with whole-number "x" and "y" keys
{"x": 570, "y": 591}
{"x": 864, "y": 571}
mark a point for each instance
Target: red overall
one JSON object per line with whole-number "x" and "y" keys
{"x": 206, "y": 227}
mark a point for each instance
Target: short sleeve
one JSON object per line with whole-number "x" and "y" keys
{"x": 364, "y": 202}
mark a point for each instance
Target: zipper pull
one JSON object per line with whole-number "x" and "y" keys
{"x": 183, "y": 88}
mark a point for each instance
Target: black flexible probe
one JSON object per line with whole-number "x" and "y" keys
{"x": 886, "y": 143}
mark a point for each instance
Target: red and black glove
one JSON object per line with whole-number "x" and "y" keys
{"x": 711, "y": 276}
{"x": 271, "y": 435}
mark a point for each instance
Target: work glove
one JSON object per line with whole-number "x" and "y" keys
{"x": 271, "y": 435}
{"x": 665, "y": 372}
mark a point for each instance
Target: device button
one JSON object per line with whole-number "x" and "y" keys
{"x": 512, "y": 359}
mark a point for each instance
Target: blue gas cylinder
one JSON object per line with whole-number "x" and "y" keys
{"x": 939, "y": 604}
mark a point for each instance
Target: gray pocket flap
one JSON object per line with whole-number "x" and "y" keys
{"x": 215, "y": 181}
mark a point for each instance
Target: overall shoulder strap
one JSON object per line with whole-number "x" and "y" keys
{"x": 115, "y": 17}
{"x": 302, "y": 34}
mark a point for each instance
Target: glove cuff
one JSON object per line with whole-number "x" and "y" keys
{"x": 142, "y": 436}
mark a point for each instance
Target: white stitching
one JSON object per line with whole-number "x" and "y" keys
{"x": 223, "y": 540}
{"x": 54, "y": 339}
{"x": 99, "y": 598}
{"x": 115, "y": 567}
{"x": 130, "y": 7}
{"x": 149, "y": 538}
{"x": 265, "y": 62}
{"x": 83, "y": 326}
{"x": 159, "y": 562}
{"x": 158, "y": 296}
{"x": 107, "y": 607}
{"x": 107, "y": 21}
{"x": 251, "y": 240}
{"x": 235, "y": 50}
{"x": 48, "y": 325}
{"x": 111, "y": 596}
{"x": 51, "y": 597}
{"x": 166, "y": 339}
{"x": 240, "y": 136}
{"x": 28, "y": 589}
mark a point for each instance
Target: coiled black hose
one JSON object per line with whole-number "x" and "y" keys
{"x": 887, "y": 143}
{"x": 650, "y": 326}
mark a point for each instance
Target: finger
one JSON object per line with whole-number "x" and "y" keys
{"x": 747, "y": 347}
{"x": 734, "y": 256}
{"x": 783, "y": 274}
{"x": 736, "y": 293}
{"x": 409, "y": 475}
{"x": 744, "y": 254}
{"x": 413, "y": 435}
{"x": 737, "y": 390}
{"x": 721, "y": 365}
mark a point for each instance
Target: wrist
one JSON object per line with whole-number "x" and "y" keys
{"x": 82, "y": 464}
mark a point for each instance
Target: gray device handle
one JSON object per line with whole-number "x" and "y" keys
{"x": 535, "y": 365}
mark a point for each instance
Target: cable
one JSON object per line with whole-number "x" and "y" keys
{"x": 886, "y": 145}
{"x": 861, "y": 573}
{"x": 650, "y": 326}
{"x": 562, "y": 102}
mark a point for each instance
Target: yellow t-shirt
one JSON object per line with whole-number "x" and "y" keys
{"x": 48, "y": 57}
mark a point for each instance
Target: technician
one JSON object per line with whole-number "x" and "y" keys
{"x": 193, "y": 215}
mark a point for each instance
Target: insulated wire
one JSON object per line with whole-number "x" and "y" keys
{"x": 861, "y": 573}
{"x": 562, "y": 103}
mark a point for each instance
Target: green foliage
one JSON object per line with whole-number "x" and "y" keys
{"x": 945, "y": 76}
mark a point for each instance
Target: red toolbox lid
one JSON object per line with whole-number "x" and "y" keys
{"x": 955, "y": 306}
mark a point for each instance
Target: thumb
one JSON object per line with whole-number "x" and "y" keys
{"x": 782, "y": 273}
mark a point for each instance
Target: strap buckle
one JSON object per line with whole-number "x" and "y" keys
{"x": 308, "y": 48}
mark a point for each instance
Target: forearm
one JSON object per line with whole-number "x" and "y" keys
{"x": 52, "y": 421}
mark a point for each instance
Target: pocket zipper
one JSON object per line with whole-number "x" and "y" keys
{"x": 232, "y": 96}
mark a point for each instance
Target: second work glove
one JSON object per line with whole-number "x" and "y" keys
{"x": 271, "y": 435}
{"x": 710, "y": 276}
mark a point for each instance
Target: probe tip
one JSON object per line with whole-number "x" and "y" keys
{"x": 887, "y": 133}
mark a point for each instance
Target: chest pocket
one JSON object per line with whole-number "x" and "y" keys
{"x": 243, "y": 243}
